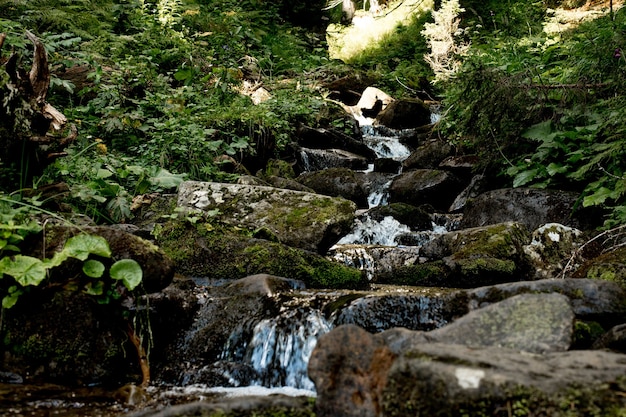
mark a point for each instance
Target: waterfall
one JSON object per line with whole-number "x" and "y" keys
{"x": 279, "y": 348}
{"x": 372, "y": 232}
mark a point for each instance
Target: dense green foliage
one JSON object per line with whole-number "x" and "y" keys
{"x": 161, "y": 98}
{"x": 544, "y": 107}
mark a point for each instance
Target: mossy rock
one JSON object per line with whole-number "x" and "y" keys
{"x": 473, "y": 257}
{"x": 227, "y": 253}
{"x": 415, "y": 217}
{"x": 610, "y": 266}
{"x": 66, "y": 337}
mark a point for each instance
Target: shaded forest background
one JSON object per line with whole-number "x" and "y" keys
{"x": 157, "y": 92}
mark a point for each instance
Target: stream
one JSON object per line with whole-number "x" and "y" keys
{"x": 276, "y": 350}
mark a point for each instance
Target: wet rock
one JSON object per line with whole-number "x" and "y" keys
{"x": 227, "y": 253}
{"x": 447, "y": 380}
{"x": 309, "y": 137}
{"x": 337, "y": 182}
{"x": 529, "y": 206}
{"x": 415, "y": 217}
{"x": 610, "y": 266}
{"x": 473, "y": 190}
{"x": 472, "y": 257}
{"x": 536, "y": 323}
{"x": 428, "y": 155}
{"x": 404, "y": 114}
{"x": 425, "y": 186}
{"x": 349, "y": 367}
{"x": 302, "y": 220}
{"x": 614, "y": 339}
{"x": 268, "y": 405}
{"x": 319, "y": 159}
{"x": 552, "y": 248}
{"x": 387, "y": 165}
{"x": 423, "y": 310}
{"x": 596, "y": 300}
{"x": 379, "y": 263}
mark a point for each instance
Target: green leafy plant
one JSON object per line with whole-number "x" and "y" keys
{"x": 30, "y": 271}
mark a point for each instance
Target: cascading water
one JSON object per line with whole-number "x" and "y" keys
{"x": 278, "y": 349}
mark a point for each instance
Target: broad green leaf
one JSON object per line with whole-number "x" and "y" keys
{"x": 598, "y": 197}
{"x": 94, "y": 288}
{"x": 127, "y": 270}
{"x": 9, "y": 300}
{"x": 25, "y": 269}
{"x": 555, "y": 168}
{"x": 165, "y": 179}
{"x": 104, "y": 173}
{"x": 539, "y": 131}
{"x": 525, "y": 177}
{"x": 93, "y": 268}
{"x": 81, "y": 246}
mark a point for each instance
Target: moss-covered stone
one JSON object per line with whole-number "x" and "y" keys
{"x": 475, "y": 257}
{"x": 228, "y": 253}
{"x": 610, "y": 266}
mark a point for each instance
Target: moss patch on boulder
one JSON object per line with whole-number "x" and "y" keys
{"x": 227, "y": 253}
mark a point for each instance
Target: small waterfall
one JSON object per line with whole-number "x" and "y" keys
{"x": 386, "y": 144}
{"x": 279, "y": 348}
{"x": 379, "y": 195}
{"x": 306, "y": 164}
{"x": 356, "y": 257}
{"x": 372, "y": 232}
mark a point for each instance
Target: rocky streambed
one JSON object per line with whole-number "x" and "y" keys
{"x": 372, "y": 274}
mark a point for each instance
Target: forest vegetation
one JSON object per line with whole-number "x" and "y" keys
{"x": 154, "y": 89}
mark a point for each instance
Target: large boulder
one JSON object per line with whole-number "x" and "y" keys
{"x": 404, "y": 114}
{"x": 530, "y": 206}
{"x": 428, "y": 156}
{"x": 319, "y": 159}
{"x": 337, "y": 182}
{"x": 472, "y": 257}
{"x": 302, "y": 220}
{"x": 225, "y": 253}
{"x": 450, "y": 380}
{"x": 426, "y": 186}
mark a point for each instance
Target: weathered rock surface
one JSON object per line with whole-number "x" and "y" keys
{"x": 529, "y": 206}
{"x": 451, "y": 380}
{"x": 298, "y": 219}
{"x": 329, "y": 138}
{"x": 225, "y": 254}
{"x": 415, "y": 217}
{"x": 536, "y": 323}
{"x": 472, "y": 257}
{"x": 319, "y": 159}
{"x": 404, "y": 114}
{"x": 337, "y": 182}
{"x": 552, "y": 248}
{"x": 428, "y": 156}
{"x": 426, "y": 186}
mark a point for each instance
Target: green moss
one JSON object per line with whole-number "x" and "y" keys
{"x": 586, "y": 333}
{"x": 427, "y": 274}
{"x": 228, "y": 253}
